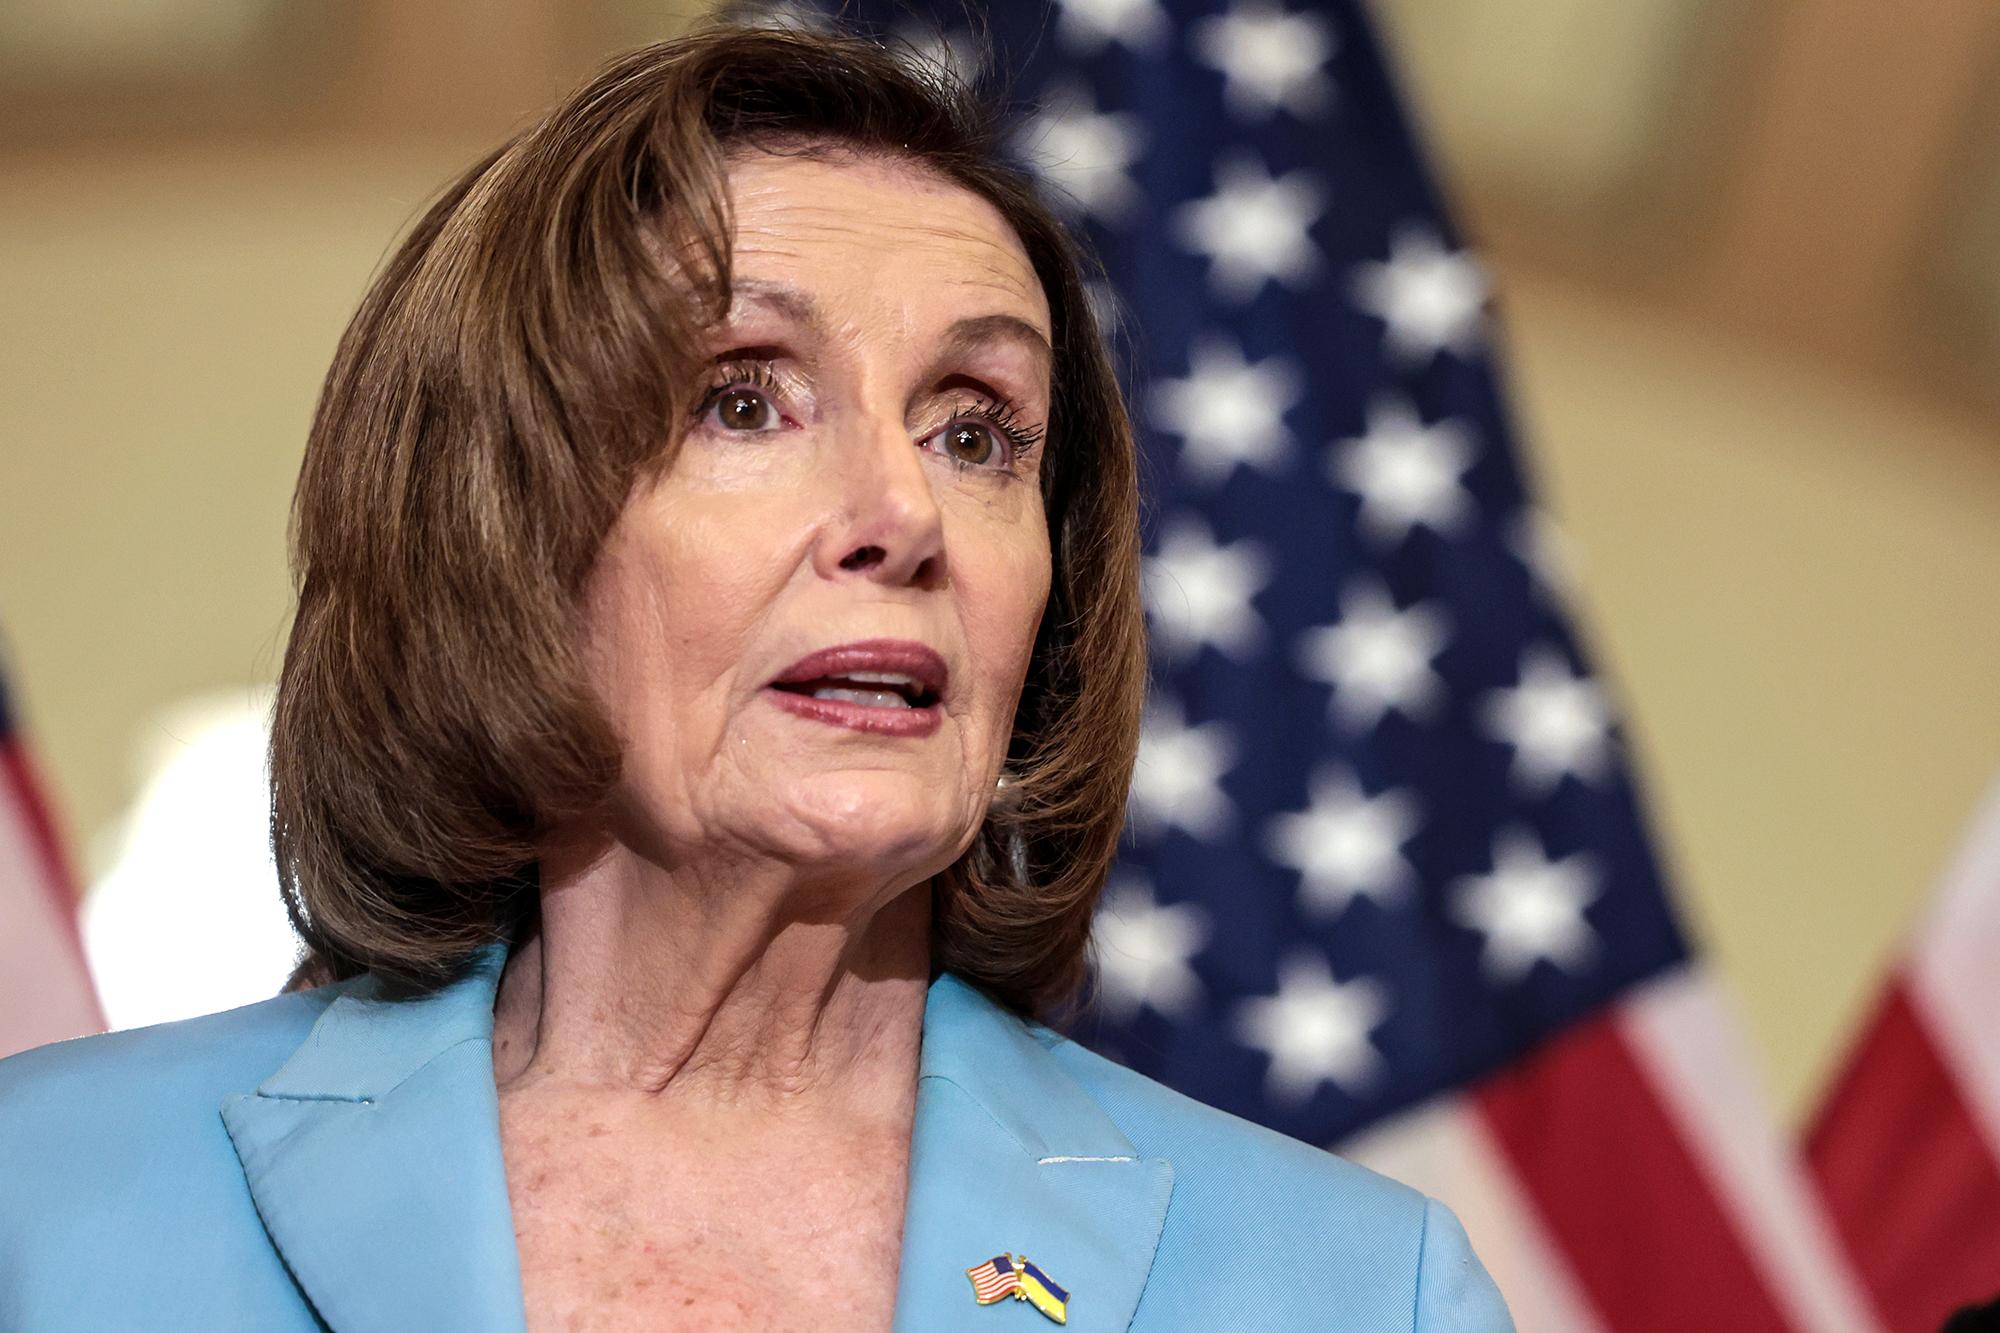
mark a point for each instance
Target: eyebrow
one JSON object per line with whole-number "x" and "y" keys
{"x": 799, "y": 307}
{"x": 977, "y": 329}
{"x": 791, "y": 302}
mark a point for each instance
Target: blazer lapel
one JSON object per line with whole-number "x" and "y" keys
{"x": 1011, "y": 1156}
{"x": 374, "y": 1160}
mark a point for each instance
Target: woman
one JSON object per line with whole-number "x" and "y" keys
{"x": 701, "y": 742}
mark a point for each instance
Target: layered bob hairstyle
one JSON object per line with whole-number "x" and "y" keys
{"x": 525, "y": 359}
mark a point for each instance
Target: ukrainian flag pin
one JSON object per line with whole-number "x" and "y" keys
{"x": 1004, "y": 1275}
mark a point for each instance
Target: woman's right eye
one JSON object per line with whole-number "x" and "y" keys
{"x": 742, "y": 409}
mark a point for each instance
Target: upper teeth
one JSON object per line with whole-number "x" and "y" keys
{"x": 878, "y": 678}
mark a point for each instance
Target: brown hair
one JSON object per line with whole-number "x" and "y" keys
{"x": 524, "y": 358}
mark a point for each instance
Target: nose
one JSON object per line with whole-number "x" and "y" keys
{"x": 888, "y": 528}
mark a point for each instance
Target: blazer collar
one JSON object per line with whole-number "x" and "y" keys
{"x": 374, "y": 1159}
{"x": 1011, "y": 1156}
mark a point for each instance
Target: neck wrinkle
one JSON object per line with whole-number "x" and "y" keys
{"x": 643, "y": 981}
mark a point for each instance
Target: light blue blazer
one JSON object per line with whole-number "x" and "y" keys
{"x": 332, "y": 1160}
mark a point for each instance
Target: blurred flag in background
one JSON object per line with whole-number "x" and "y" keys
{"x": 1389, "y": 889}
{"x": 45, "y": 994}
{"x": 1906, "y": 1149}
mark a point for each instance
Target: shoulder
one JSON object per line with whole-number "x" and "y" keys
{"x": 114, "y": 1158}
{"x": 92, "y": 1122}
{"x": 1266, "y": 1208}
{"x": 1225, "y": 1157}
{"x": 143, "y": 1073}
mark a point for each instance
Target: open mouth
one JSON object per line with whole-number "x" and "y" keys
{"x": 869, "y": 689}
{"x": 891, "y": 687}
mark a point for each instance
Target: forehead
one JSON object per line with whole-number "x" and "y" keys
{"x": 874, "y": 230}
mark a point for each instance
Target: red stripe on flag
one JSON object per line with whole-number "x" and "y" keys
{"x": 20, "y": 790}
{"x": 1619, "y": 1190}
{"x": 1908, "y": 1179}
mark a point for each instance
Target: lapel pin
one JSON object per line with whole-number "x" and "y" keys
{"x": 1002, "y": 1276}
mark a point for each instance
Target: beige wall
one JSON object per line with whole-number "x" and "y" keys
{"x": 1793, "y": 578}
{"x": 163, "y": 329}
{"x": 1796, "y": 586}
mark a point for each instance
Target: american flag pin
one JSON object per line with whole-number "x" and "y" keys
{"x": 1005, "y": 1275}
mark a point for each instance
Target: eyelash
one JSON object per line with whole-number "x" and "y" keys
{"x": 1003, "y": 415}
{"x": 737, "y": 375}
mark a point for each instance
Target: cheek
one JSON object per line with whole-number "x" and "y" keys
{"x": 678, "y": 594}
{"x": 1003, "y": 603}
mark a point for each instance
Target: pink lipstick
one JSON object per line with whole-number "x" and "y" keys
{"x": 890, "y": 687}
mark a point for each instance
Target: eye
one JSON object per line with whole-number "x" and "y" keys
{"x": 742, "y": 409}
{"x": 986, "y": 433}
{"x": 972, "y": 442}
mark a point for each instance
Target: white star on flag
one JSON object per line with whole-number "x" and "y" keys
{"x": 786, "y": 16}
{"x": 1083, "y": 155}
{"x": 1315, "y": 1030}
{"x": 1142, "y": 951}
{"x": 1377, "y": 658}
{"x": 1197, "y": 592}
{"x": 1088, "y": 26}
{"x": 1430, "y": 297}
{"x": 1227, "y": 411}
{"x": 956, "y": 53}
{"x": 1558, "y": 723}
{"x": 1530, "y": 908}
{"x": 1538, "y": 542}
{"x": 1269, "y": 59}
{"x": 1346, "y": 844}
{"x": 1253, "y": 229}
{"x": 1177, "y": 781}
{"x": 1406, "y": 473}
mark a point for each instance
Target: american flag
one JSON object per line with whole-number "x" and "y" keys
{"x": 1388, "y": 887}
{"x": 45, "y": 993}
{"x": 994, "y": 1280}
{"x": 1906, "y": 1150}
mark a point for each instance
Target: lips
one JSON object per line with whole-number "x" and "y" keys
{"x": 891, "y": 687}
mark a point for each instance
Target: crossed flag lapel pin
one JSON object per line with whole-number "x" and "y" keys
{"x": 1003, "y": 1276}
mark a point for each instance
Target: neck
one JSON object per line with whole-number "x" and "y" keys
{"x": 745, "y": 985}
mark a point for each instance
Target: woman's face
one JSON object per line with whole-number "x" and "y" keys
{"x": 812, "y": 631}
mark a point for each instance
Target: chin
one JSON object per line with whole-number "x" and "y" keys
{"x": 879, "y": 824}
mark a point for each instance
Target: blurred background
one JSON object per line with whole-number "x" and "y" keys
{"x": 1747, "y": 255}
